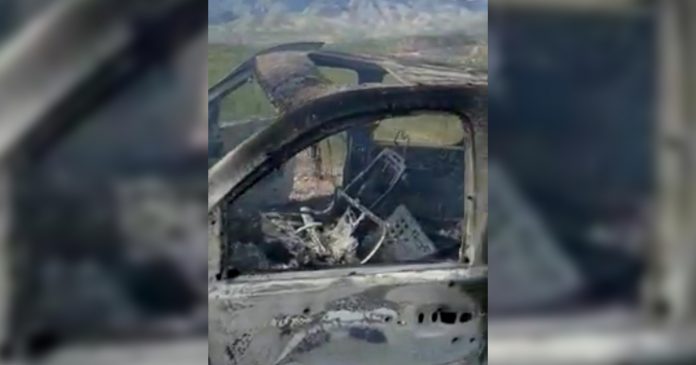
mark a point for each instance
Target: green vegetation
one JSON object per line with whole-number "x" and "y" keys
{"x": 223, "y": 58}
{"x": 249, "y": 100}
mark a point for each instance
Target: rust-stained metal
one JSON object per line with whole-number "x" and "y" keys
{"x": 399, "y": 314}
{"x": 317, "y": 113}
{"x": 330, "y": 114}
{"x": 427, "y": 314}
{"x": 244, "y": 72}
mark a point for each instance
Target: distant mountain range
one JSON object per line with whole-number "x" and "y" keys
{"x": 242, "y": 21}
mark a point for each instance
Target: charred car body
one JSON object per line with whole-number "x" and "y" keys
{"x": 96, "y": 164}
{"x": 350, "y": 228}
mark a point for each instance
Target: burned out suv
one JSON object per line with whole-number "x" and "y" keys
{"x": 350, "y": 227}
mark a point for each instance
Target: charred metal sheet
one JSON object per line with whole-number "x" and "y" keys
{"x": 290, "y": 79}
{"x": 312, "y": 109}
{"x": 294, "y": 65}
{"x": 327, "y": 115}
{"x": 405, "y": 71}
{"x": 243, "y": 72}
{"x": 406, "y": 240}
{"x": 233, "y": 81}
{"x": 311, "y": 122}
{"x": 420, "y": 314}
{"x": 372, "y": 67}
{"x": 415, "y": 314}
{"x": 428, "y": 75}
{"x": 365, "y": 66}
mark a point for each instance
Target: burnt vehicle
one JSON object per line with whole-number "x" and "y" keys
{"x": 102, "y": 186}
{"x": 600, "y": 178}
{"x": 350, "y": 228}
